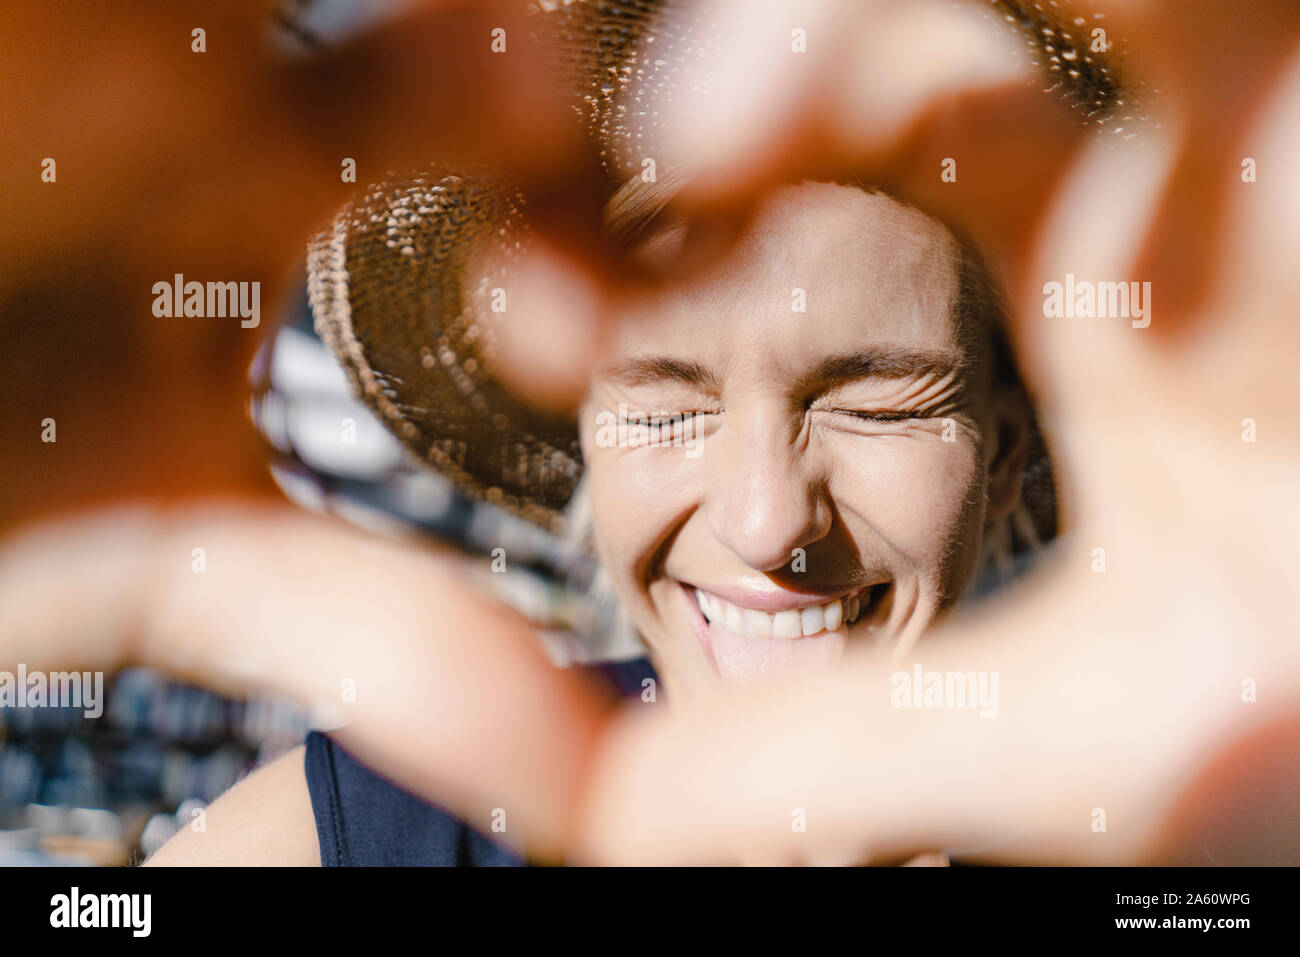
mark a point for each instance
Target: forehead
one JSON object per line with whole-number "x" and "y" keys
{"x": 866, "y": 269}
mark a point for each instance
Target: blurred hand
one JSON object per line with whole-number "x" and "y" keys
{"x": 217, "y": 165}
{"x": 1121, "y": 690}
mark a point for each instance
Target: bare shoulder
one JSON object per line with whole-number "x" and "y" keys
{"x": 265, "y": 819}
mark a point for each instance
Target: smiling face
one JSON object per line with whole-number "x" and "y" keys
{"x": 770, "y": 484}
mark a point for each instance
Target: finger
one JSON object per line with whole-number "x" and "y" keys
{"x": 211, "y": 165}
{"x": 771, "y": 71}
{"x": 168, "y": 135}
{"x": 444, "y": 691}
{"x": 1218, "y": 363}
{"x": 850, "y": 105}
{"x": 1097, "y": 716}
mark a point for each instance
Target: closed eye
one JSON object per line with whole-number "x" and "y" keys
{"x": 661, "y": 419}
{"x": 883, "y": 416}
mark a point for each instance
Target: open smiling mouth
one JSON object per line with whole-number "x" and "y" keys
{"x": 804, "y": 622}
{"x": 743, "y": 642}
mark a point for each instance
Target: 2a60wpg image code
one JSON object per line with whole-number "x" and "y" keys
{"x": 1182, "y": 921}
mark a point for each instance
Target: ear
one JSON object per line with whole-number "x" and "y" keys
{"x": 1010, "y": 448}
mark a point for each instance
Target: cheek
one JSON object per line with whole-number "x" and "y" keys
{"x": 923, "y": 496}
{"x": 638, "y": 498}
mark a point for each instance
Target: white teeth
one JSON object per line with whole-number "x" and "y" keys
{"x": 793, "y": 623}
{"x": 786, "y": 624}
{"x": 834, "y": 612}
{"x": 813, "y": 620}
{"x": 758, "y": 624}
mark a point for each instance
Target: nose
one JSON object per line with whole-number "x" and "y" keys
{"x": 766, "y": 497}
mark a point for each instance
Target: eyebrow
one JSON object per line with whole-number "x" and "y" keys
{"x": 648, "y": 369}
{"x": 884, "y": 362}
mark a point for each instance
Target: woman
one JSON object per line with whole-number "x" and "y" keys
{"x": 1130, "y": 681}
{"x": 818, "y": 441}
{"x": 858, "y": 439}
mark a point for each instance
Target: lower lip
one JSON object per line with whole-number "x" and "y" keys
{"x": 740, "y": 660}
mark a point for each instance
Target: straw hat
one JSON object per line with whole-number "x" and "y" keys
{"x": 391, "y": 298}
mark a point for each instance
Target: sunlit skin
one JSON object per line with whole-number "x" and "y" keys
{"x": 1152, "y": 652}
{"x": 850, "y": 445}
